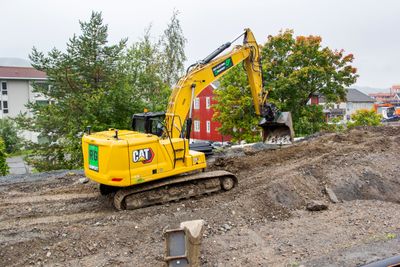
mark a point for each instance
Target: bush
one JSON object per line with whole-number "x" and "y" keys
{"x": 9, "y": 135}
{"x": 311, "y": 119}
{"x": 3, "y": 155}
{"x": 336, "y": 125}
{"x": 364, "y": 117}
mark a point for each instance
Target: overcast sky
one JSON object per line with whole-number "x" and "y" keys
{"x": 368, "y": 29}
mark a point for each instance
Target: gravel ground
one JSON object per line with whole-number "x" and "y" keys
{"x": 54, "y": 220}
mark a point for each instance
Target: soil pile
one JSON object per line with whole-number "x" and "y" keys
{"x": 57, "y": 221}
{"x": 360, "y": 164}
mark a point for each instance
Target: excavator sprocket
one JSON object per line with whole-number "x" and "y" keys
{"x": 173, "y": 189}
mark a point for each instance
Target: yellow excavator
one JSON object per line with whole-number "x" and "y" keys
{"x": 152, "y": 164}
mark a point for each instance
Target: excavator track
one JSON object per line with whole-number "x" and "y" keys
{"x": 173, "y": 189}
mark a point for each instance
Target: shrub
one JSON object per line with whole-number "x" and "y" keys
{"x": 9, "y": 135}
{"x": 311, "y": 119}
{"x": 364, "y": 117}
{"x": 3, "y": 156}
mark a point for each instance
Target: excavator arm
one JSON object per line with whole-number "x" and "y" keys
{"x": 213, "y": 67}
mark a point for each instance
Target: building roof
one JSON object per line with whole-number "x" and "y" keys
{"x": 353, "y": 95}
{"x": 381, "y": 94}
{"x": 21, "y": 73}
{"x": 396, "y": 87}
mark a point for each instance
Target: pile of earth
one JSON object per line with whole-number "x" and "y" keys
{"x": 359, "y": 164}
{"x": 55, "y": 220}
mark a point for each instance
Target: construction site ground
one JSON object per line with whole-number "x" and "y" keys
{"x": 53, "y": 219}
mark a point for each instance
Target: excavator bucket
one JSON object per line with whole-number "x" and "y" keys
{"x": 279, "y": 130}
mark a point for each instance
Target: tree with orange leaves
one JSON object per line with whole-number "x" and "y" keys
{"x": 295, "y": 69}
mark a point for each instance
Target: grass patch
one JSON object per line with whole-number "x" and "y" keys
{"x": 22, "y": 152}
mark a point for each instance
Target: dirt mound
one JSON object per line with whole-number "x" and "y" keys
{"x": 359, "y": 164}
{"x": 59, "y": 221}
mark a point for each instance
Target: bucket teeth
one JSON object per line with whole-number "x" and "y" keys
{"x": 278, "y": 131}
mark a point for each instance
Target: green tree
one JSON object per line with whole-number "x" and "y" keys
{"x": 364, "y": 117}
{"x": 311, "y": 119}
{"x": 4, "y": 170}
{"x": 87, "y": 86}
{"x": 172, "y": 45}
{"x": 9, "y": 134}
{"x": 153, "y": 67}
{"x": 296, "y": 68}
{"x": 234, "y": 108}
{"x": 143, "y": 67}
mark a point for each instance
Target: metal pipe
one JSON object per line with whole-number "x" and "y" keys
{"x": 189, "y": 120}
{"x": 214, "y": 54}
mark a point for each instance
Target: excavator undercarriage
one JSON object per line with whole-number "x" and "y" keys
{"x": 173, "y": 189}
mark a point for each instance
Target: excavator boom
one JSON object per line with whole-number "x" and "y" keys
{"x": 275, "y": 124}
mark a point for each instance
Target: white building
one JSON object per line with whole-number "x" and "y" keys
{"x": 16, "y": 86}
{"x": 355, "y": 100}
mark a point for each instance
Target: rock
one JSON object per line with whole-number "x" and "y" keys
{"x": 316, "y": 206}
{"x": 249, "y": 151}
{"x": 332, "y": 196}
{"x": 227, "y": 227}
{"x": 48, "y": 254}
{"x": 83, "y": 180}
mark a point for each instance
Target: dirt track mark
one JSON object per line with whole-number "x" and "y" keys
{"x": 21, "y": 199}
{"x": 24, "y": 222}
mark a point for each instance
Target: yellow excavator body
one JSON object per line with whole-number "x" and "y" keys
{"x": 131, "y": 158}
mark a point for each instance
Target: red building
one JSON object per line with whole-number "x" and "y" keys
{"x": 204, "y": 128}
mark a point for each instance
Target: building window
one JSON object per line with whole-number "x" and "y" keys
{"x": 208, "y": 126}
{"x": 196, "y": 103}
{"x": 197, "y": 126}
{"x": 5, "y": 107}
{"x": 208, "y": 103}
{"x": 4, "y": 88}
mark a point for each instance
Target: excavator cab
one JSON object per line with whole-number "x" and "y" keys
{"x": 148, "y": 122}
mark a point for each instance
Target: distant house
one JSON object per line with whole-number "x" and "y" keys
{"x": 204, "y": 128}
{"x": 355, "y": 100}
{"x": 16, "y": 86}
{"x": 16, "y": 89}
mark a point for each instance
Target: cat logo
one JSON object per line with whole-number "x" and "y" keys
{"x": 144, "y": 155}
